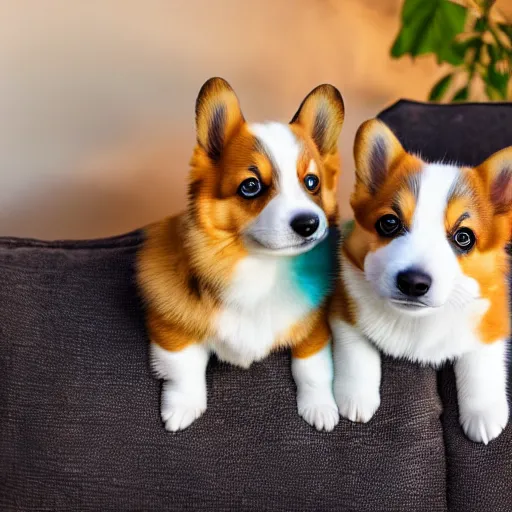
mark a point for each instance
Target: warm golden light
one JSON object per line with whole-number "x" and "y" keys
{"x": 97, "y": 98}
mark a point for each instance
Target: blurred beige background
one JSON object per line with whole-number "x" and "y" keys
{"x": 97, "y": 97}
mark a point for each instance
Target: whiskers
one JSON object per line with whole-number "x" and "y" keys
{"x": 460, "y": 298}
{"x": 266, "y": 231}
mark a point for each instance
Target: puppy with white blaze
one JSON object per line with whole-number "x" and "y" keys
{"x": 249, "y": 268}
{"x": 424, "y": 277}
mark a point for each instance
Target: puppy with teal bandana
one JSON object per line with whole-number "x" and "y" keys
{"x": 248, "y": 269}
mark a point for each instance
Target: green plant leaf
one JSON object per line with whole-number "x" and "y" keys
{"x": 480, "y": 24}
{"x": 493, "y": 52}
{"x": 440, "y": 88}
{"x": 462, "y": 94}
{"x": 430, "y": 26}
{"x": 460, "y": 47}
{"x": 498, "y": 81}
{"x": 492, "y": 93}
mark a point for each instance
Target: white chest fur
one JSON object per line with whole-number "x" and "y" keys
{"x": 432, "y": 339}
{"x": 261, "y": 305}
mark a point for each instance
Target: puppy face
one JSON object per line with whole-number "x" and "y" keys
{"x": 268, "y": 186}
{"x": 433, "y": 234}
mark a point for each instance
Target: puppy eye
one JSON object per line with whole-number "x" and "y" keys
{"x": 312, "y": 182}
{"x": 388, "y": 225}
{"x": 250, "y": 188}
{"x": 464, "y": 239}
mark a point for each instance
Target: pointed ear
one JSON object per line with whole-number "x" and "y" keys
{"x": 218, "y": 116}
{"x": 496, "y": 174}
{"x": 376, "y": 148}
{"x": 321, "y": 114}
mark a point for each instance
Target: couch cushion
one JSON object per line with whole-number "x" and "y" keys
{"x": 79, "y": 412}
{"x": 459, "y": 132}
{"x": 479, "y": 478}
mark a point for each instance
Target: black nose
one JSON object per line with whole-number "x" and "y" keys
{"x": 305, "y": 224}
{"x": 413, "y": 283}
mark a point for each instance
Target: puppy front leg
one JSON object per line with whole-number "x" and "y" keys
{"x": 357, "y": 372}
{"x": 313, "y": 373}
{"x": 182, "y": 364}
{"x": 481, "y": 379}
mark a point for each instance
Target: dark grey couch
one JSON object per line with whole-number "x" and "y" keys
{"x": 79, "y": 420}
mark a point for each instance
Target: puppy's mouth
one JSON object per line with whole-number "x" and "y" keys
{"x": 286, "y": 250}
{"x": 409, "y": 305}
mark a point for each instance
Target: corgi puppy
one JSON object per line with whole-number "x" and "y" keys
{"x": 424, "y": 277}
{"x": 248, "y": 268}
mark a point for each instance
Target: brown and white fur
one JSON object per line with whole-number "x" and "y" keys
{"x": 216, "y": 278}
{"x": 424, "y": 277}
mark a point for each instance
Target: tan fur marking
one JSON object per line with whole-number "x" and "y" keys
{"x": 317, "y": 337}
{"x": 406, "y": 202}
{"x": 164, "y": 273}
{"x": 168, "y": 336}
{"x": 454, "y": 211}
{"x": 490, "y": 269}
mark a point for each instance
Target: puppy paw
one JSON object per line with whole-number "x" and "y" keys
{"x": 358, "y": 405}
{"x": 318, "y": 409}
{"x": 484, "y": 424}
{"x": 180, "y": 409}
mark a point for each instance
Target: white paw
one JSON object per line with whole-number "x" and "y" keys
{"x": 318, "y": 409}
{"x": 357, "y": 405}
{"x": 179, "y": 409}
{"x": 485, "y": 423}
